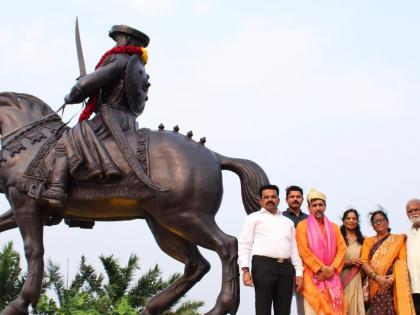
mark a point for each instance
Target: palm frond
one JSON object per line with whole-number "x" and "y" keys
{"x": 119, "y": 277}
{"x": 55, "y": 279}
{"x": 11, "y": 280}
{"x": 87, "y": 280}
{"x": 146, "y": 287}
{"x": 189, "y": 308}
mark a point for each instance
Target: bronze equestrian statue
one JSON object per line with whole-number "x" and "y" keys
{"x": 118, "y": 91}
{"x": 106, "y": 169}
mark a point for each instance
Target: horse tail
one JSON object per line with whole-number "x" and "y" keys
{"x": 252, "y": 177}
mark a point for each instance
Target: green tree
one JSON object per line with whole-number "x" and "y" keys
{"x": 119, "y": 277}
{"x": 11, "y": 279}
{"x": 89, "y": 293}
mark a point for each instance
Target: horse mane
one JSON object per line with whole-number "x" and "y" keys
{"x": 13, "y": 99}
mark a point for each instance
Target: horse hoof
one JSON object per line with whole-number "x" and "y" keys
{"x": 224, "y": 308}
{"x": 218, "y": 311}
{"x": 15, "y": 309}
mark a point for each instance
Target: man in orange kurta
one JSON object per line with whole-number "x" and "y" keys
{"x": 322, "y": 290}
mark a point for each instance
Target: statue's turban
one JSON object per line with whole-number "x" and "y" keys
{"x": 124, "y": 29}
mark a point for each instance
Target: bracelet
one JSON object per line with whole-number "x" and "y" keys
{"x": 372, "y": 275}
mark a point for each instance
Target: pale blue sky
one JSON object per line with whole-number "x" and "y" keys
{"x": 320, "y": 93}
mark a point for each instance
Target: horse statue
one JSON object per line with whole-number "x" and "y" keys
{"x": 181, "y": 217}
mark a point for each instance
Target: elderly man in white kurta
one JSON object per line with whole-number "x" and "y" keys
{"x": 413, "y": 250}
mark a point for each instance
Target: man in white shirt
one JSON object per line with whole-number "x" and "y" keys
{"x": 276, "y": 266}
{"x": 413, "y": 250}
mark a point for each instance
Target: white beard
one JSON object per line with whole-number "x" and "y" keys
{"x": 415, "y": 219}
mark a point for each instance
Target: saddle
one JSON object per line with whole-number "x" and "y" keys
{"x": 127, "y": 186}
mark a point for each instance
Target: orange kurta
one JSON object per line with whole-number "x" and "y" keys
{"x": 318, "y": 301}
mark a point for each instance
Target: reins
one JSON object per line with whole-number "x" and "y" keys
{"x": 27, "y": 127}
{"x": 16, "y": 133}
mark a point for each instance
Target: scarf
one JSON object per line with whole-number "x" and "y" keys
{"x": 325, "y": 249}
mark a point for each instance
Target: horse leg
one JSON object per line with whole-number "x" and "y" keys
{"x": 7, "y": 221}
{"x": 30, "y": 221}
{"x": 196, "y": 266}
{"x": 226, "y": 246}
{"x": 203, "y": 231}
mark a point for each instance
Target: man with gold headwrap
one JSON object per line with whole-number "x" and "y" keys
{"x": 322, "y": 249}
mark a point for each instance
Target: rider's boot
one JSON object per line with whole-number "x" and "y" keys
{"x": 111, "y": 171}
{"x": 56, "y": 192}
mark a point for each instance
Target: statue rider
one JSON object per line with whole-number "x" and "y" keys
{"x": 117, "y": 92}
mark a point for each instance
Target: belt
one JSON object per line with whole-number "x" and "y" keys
{"x": 278, "y": 260}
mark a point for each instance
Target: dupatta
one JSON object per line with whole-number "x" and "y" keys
{"x": 324, "y": 247}
{"x": 354, "y": 248}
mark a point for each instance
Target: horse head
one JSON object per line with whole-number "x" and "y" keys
{"x": 19, "y": 109}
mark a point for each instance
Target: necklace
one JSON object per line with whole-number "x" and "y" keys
{"x": 378, "y": 238}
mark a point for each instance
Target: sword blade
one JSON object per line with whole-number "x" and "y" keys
{"x": 81, "y": 59}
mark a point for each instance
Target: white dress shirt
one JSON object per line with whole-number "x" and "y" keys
{"x": 413, "y": 258}
{"x": 270, "y": 235}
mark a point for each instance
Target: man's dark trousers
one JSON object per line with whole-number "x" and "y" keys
{"x": 273, "y": 284}
{"x": 416, "y": 300}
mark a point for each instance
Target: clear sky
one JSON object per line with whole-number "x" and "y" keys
{"x": 321, "y": 94}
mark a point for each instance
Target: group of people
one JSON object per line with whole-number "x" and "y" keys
{"x": 330, "y": 269}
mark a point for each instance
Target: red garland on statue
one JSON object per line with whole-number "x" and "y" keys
{"x": 129, "y": 50}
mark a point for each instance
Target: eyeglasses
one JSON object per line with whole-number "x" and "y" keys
{"x": 376, "y": 222}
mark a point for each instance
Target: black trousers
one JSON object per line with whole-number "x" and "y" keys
{"x": 273, "y": 284}
{"x": 416, "y": 300}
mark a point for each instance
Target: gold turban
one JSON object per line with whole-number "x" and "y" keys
{"x": 315, "y": 194}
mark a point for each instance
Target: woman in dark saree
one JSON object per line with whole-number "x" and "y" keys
{"x": 384, "y": 261}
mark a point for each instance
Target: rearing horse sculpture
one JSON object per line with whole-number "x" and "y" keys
{"x": 181, "y": 219}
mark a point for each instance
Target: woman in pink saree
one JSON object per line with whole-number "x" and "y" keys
{"x": 351, "y": 275}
